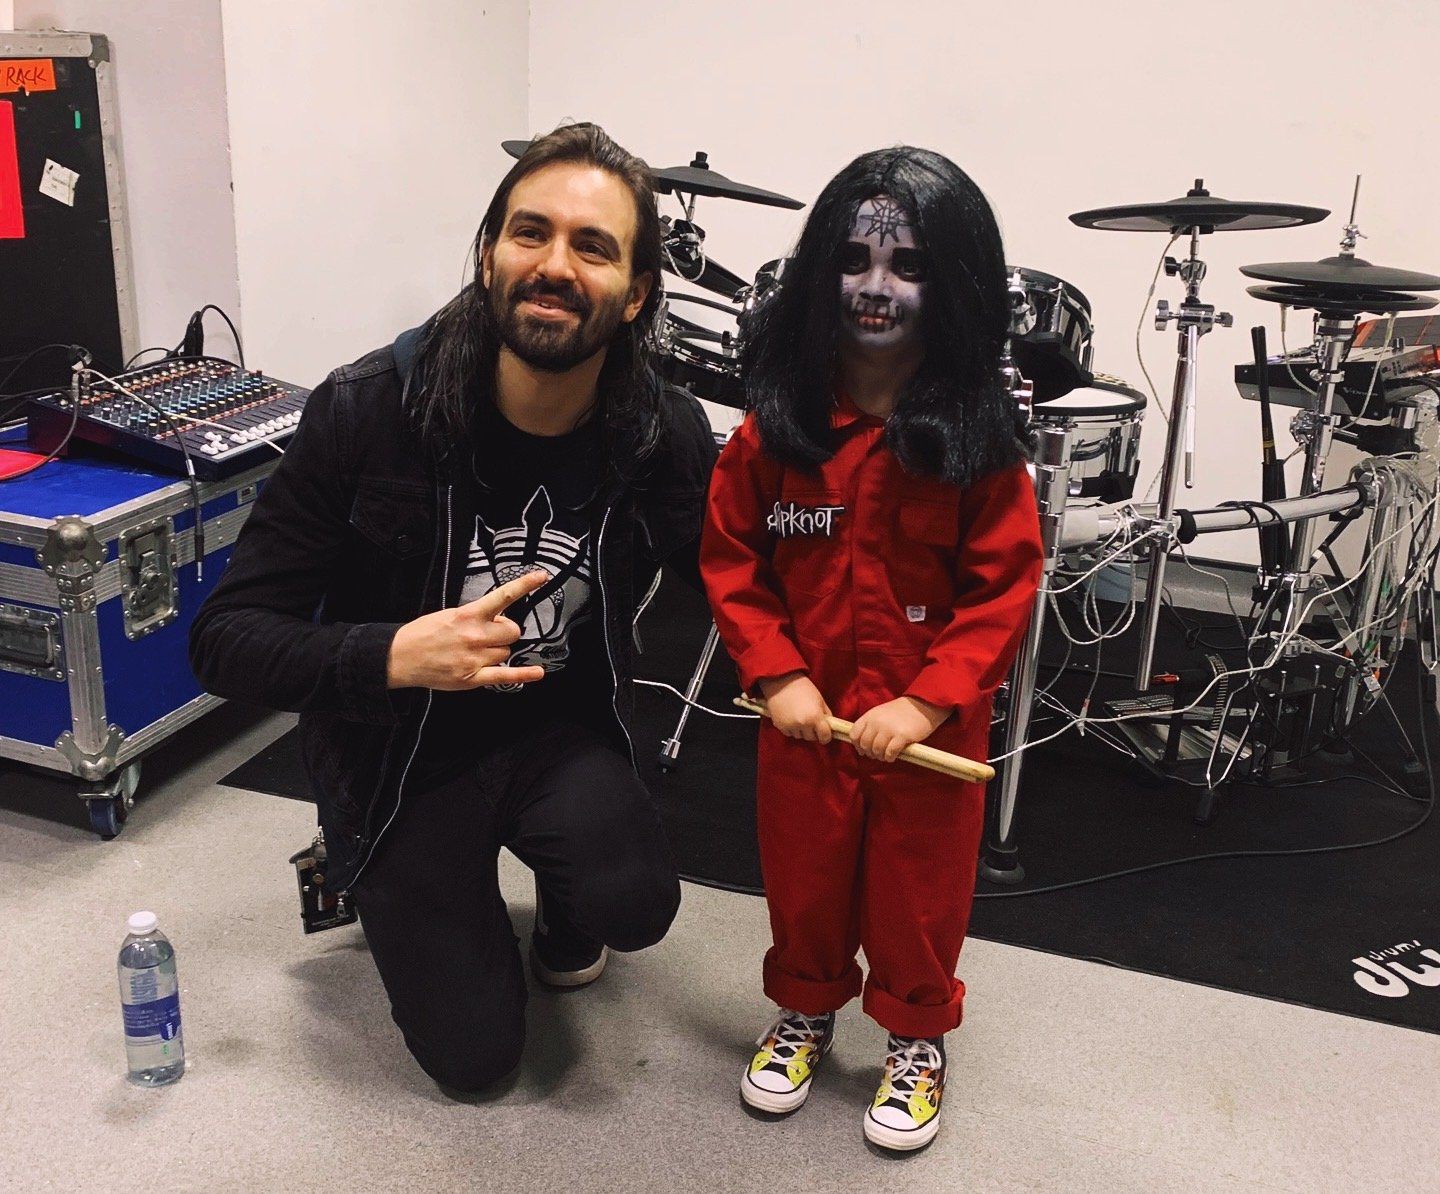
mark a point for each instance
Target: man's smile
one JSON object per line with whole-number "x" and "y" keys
{"x": 549, "y": 307}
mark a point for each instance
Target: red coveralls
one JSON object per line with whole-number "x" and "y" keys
{"x": 877, "y": 584}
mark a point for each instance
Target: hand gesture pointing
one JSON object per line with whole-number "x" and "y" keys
{"x": 454, "y": 650}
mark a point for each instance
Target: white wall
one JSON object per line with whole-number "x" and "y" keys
{"x": 170, "y": 89}
{"x": 7, "y": 15}
{"x": 1053, "y": 106}
{"x": 365, "y": 144}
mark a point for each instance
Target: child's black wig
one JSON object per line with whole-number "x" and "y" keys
{"x": 954, "y": 419}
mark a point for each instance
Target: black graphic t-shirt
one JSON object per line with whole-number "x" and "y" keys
{"x": 535, "y": 505}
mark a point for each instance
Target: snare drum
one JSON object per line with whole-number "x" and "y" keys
{"x": 1104, "y": 423}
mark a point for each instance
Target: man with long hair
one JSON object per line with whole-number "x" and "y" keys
{"x": 441, "y": 576}
{"x": 872, "y": 548}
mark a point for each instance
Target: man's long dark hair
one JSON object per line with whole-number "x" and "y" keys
{"x": 954, "y": 419}
{"x": 456, "y": 377}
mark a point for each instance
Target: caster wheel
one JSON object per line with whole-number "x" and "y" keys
{"x": 1205, "y": 808}
{"x": 110, "y": 807}
{"x": 664, "y": 765}
{"x": 107, "y": 816}
{"x": 128, "y": 783}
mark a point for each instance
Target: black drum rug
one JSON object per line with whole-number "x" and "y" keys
{"x": 1354, "y": 931}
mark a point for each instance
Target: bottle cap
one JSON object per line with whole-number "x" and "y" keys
{"x": 141, "y": 923}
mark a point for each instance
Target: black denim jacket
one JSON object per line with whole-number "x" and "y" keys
{"x": 359, "y": 531}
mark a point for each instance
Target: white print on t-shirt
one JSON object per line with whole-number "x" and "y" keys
{"x": 547, "y": 616}
{"x": 791, "y": 519}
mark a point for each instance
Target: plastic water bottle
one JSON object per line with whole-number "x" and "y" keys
{"x": 150, "y": 1003}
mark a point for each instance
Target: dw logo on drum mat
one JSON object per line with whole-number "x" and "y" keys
{"x": 1390, "y": 972}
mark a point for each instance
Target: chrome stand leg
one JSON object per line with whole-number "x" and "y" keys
{"x": 999, "y": 860}
{"x": 670, "y": 748}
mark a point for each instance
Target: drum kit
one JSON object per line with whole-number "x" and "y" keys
{"x": 1286, "y": 719}
{"x": 1085, "y": 433}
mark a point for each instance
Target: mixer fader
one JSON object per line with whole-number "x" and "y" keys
{"x": 228, "y": 418}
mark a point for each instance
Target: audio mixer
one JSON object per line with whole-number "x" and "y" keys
{"x": 228, "y": 418}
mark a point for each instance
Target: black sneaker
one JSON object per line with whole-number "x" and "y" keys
{"x": 777, "y": 1079}
{"x": 560, "y": 954}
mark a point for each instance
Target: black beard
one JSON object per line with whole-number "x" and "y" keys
{"x": 549, "y": 347}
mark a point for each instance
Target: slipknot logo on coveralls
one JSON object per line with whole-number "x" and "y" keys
{"x": 791, "y": 519}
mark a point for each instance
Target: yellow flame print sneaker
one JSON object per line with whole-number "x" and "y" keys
{"x": 778, "y": 1077}
{"x": 906, "y": 1112}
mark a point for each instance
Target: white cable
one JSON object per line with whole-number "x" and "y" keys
{"x": 696, "y": 704}
{"x": 1139, "y": 327}
{"x": 1106, "y": 561}
{"x": 1140, "y": 356}
{"x": 1285, "y": 355}
{"x": 1280, "y": 645}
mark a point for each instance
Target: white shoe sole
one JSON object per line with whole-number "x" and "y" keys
{"x": 777, "y": 1102}
{"x": 898, "y": 1140}
{"x": 774, "y": 1101}
{"x": 568, "y": 978}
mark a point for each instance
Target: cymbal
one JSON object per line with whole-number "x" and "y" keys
{"x": 698, "y": 178}
{"x": 1341, "y": 302}
{"x": 714, "y": 277}
{"x": 1197, "y": 210}
{"x": 1341, "y": 273}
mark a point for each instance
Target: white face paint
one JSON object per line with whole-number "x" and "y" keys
{"x": 882, "y": 277}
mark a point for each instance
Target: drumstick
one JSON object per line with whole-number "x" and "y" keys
{"x": 921, "y": 755}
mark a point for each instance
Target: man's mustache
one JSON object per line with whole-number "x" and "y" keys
{"x": 565, "y": 295}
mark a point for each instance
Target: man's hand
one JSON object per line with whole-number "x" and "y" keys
{"x": 454, "y": 650}
{"x": 887, "y": 729}
{"x": 796, "y": 707}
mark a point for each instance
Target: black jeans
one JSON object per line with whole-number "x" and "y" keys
{"x": 570, "y": 808}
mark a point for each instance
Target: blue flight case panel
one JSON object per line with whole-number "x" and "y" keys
{"x": 98, "y": 587}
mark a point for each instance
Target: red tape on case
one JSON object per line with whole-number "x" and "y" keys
{"x": 12, "y": 211}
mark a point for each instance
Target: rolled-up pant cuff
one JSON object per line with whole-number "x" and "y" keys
{"x": 811, "y": 997}
{"x": 914, "y": 1019}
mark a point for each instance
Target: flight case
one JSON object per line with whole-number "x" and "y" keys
{"x": 98, "y": 587}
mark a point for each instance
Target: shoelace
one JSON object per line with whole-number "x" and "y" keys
{"x": 791, "y": 1031}
{"x": 907, "y": 1061}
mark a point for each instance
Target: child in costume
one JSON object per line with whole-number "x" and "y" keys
{"x": 872, "y": 549}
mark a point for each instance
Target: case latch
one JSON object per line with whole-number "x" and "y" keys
{"x": 147, "y": 578}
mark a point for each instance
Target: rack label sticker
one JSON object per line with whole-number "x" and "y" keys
{"x": 59, "y": 182}
{"x": 27, "y": 74}
{"x": 12, "y": 211}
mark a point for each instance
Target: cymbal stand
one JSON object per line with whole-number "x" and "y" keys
{"x": 1379, "y": 570}
{"x": 999, "y": 862}
{"x": 1334, "y": 334}
{"x": 670, "y": 748}
{"x": 1193, "y": 319}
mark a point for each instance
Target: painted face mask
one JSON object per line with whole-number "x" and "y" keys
{"x": 882, "y": 277}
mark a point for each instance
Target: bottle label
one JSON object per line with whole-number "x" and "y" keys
{"x": 158, "y": 1018}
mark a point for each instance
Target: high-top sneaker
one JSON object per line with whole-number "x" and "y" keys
{"x": 906, "y": 1111}
{"x": 778, "y": 1077}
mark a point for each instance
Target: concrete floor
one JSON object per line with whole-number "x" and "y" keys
{"x": 1067, "y": 1075}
